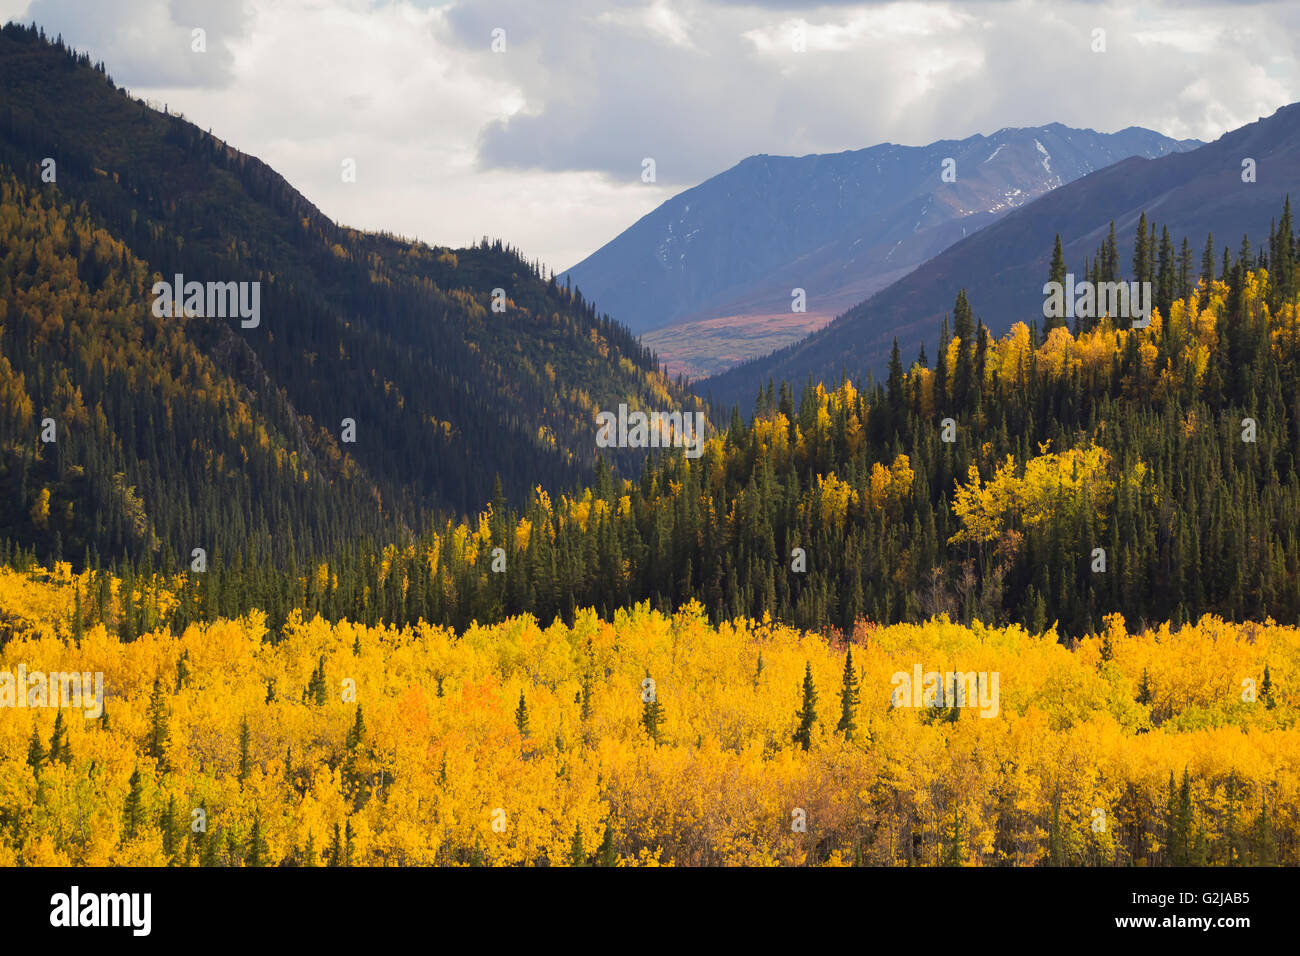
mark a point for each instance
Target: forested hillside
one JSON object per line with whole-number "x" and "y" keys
{"x": 1150, "y": 472}
{"x": 198, "y": 432}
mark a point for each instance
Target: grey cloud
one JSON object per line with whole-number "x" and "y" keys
{"x": 608, "y": 96}
{"x": 147, "y": 43}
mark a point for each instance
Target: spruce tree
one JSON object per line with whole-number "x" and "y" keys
{"x": 584, "y": 697}
{"x": 1262, "y": 839}
{"x": 652, "y": 714}
{"x": 159, "y": 732}
{"x": 953, "y": 850}
{"x": 244, "y": 741}
{"x": 1110, "y": 264}
{"x": 1183, "y": 830}
{"x": 133, "y": 808}
{"x": 256, "y": 854}
{"x": 577, "y": 854}
{"x": 1055, "y": 838}
{"x": 963, "y": 318}
{"x": 521, "y": 716}
{"x": 1056, "y": 273}
{"x": 234, "y": 851}
{"x": 607, "y": 855}
{"x": 171, "y": 832}
{"x": 1145, "y": 690}
{"x": 1141, "y": 252}
{"x": 807, "y": 713}
{"x": 356, "y": 733}
{"x": 59, "y": 749}
{"x": 335, "y": 852}
{"x": 36, "y": 752}
{"x": 1166, "y": 276}
{"x": 848, "y": 699}
{"x": 210, "y": 846}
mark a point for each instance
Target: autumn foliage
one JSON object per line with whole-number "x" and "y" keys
{"x": 344, "y": 744}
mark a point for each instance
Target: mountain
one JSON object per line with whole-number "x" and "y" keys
{"x": 1003, "y": 267}
{"x": 174, "y": 433}
{"x": 709, "y": 274}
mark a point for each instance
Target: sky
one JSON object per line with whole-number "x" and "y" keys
{"x": 532, "y": 120}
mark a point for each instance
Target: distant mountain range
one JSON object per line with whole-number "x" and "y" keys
{"x": 707, "y": 277}
{"x": 1003, "y": 266}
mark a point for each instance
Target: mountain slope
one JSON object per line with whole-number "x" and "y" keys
{"x": 446, "y": 393}
{"x": 1004, "y": 266}
{"x": 727, "y": 253}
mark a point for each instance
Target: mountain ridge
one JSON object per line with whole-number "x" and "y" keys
{"x": 1004, "y": 266}
{"x": 729, "y": 251}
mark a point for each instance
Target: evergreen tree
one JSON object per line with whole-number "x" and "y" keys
{"x": 1145, "y": 690}
{"x": 1263, "y": 844}
{"x": 1166, "y": 278}
{"x": 1141, "y": 251}
{"x": 807, "y": 713}
{"x": 652, "y": 714}
{"x": 209, "y": 847}
{"x": 585, "y": 698}
{"x": 59, "y": 749}
{"x": 133, "y": 808}
{"x": 607, "y": 855}
{"x": 244, "y": 741}
{"x": 36, "y": 752}
{"x": 963, "y": 318}
{"x": 1056, "y": 273}
{"x": 953, "y": 842}
{"x": 1183, "y": 837}
{"x": 256, "y": 854}
{"x": 159, "y": 730}
{"x": 848, "y": 699}
{"x": 521, "y": 716}
{"x": 1110, "y": 262}
{"x": 334, "y": 855}
{"x": 171, "y": 832}
{"x": 577, "y": 855}
{"x": 1055, "y": 838}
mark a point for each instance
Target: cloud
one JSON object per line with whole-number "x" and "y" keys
{"x": 543, "y": 144}
{"x": 659, "y": 19}
{"x": 152, "y": 41}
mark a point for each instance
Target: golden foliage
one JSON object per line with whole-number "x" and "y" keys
{"x": 442, "y": 774}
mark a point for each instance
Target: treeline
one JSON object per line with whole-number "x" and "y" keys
{"x": 1032, "y": 479}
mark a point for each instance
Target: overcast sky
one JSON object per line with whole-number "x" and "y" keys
{"x": 543, "y": 144}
